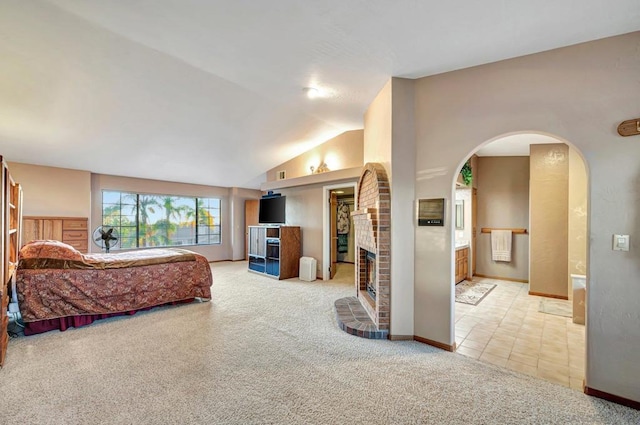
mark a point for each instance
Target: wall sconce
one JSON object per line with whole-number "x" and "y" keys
{"x": 322, "y": 168}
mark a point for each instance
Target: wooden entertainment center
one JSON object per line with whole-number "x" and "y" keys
{"x": 275, "y": 251}
{"x": 10, "y": 221}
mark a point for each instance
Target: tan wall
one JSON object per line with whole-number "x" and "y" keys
{"x": 503, "y": 202}
{"x": 549, "y": 185}
{"x": 377, "y": 130}
{"x": 389, "y": 139}
{"x": 577, "y": 217}
{"x": 50, "y": 191}
{"x": 305, "y": 209}
{"x": 341, "y": 152}
{"x": 232, "y": 208}
{"x": 577, "y": 234}
{"x": 237, "y": 198}
{"x": 554, "y": 93}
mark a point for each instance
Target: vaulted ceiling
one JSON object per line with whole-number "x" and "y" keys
{"x": 211, "y": 92}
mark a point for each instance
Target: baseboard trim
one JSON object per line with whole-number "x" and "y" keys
{"x": 401, "y": 337}
{"x": 436, "y": 344}
{"x": 611, "y": 397}
{"x": 510, "y": 279}
{"x": 541, "y": 294}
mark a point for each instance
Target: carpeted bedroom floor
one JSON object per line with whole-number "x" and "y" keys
{"x": 267, "y": 351}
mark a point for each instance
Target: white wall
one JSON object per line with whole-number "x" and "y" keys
{"x": 579, "y": 94}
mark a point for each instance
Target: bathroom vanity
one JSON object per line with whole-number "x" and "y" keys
{"x": 462, "y": 261}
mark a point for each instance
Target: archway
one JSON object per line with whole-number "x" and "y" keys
{"x": 519, "y": 322}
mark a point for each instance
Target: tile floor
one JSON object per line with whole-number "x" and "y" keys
{"x": 507, "y": 329}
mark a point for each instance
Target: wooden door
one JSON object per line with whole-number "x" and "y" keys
{"x": 333, "y": 211}
{"x": 474, "y": 225}
{"x": 250, "y": 219}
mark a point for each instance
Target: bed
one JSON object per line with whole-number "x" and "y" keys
{"x": 58, "y": 287}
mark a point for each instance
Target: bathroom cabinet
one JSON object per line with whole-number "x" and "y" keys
{"x": 462, "y": 264}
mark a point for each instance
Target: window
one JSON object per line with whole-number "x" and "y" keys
{"x": 144, "y": 220}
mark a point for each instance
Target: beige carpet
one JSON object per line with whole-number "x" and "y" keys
{"x": 267, "y": 351}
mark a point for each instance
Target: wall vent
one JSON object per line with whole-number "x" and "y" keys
{"x": 281, "y": 175}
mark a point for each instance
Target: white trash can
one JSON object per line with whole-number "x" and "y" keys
{"x": 308, "y": 267}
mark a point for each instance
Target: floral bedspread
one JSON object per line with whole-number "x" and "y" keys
{"x": 55, "y": 280}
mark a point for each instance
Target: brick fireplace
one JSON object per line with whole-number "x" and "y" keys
{"x": 372, "y": 222}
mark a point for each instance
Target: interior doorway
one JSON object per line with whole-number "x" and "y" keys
{"x": 520, "y": 322}
{"x": 338, "y": 232}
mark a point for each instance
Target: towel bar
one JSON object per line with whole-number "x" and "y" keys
{"x": 513, "y": 230}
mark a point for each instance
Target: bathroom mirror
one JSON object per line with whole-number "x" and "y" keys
{"x": 459, "y": 214}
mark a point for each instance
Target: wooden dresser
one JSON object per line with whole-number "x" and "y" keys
{"x": 10, "y": 220}
{"x": 70, "y": 230}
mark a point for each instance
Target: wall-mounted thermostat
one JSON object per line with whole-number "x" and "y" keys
{"x": 621, "y": 242}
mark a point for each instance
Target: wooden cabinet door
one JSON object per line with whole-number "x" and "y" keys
{"x": 31, "y": 230}
{"x": 38, "y": 229}
{"x": 51, "y": 230}
{"x": 465, "y": 263}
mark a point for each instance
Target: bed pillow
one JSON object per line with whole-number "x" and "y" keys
{"x": 54, "y": 250}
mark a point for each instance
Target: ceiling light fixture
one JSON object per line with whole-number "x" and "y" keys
{"x": 311, "y": 92}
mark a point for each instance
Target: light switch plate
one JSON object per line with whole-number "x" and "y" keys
{"x": 621, "y": 242}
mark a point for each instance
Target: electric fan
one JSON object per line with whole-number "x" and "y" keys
{"x": 106, "y": 237}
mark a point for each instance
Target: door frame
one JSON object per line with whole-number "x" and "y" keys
{"x": 326, "y": 231}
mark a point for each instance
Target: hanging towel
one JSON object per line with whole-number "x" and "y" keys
{"x": 501, "y": 245}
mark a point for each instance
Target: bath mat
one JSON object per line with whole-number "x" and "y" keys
{"x": 468, "y": 292}
{"x": 556, "y": 307}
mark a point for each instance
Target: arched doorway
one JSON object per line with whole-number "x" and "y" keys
{"x": 522, "y": 312}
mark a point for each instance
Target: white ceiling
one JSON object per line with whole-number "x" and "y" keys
{"x": 211, "y": 92}
{"x": 515, "y": 145}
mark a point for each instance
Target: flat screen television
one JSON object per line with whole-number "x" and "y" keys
{"x": 272, "y": 210}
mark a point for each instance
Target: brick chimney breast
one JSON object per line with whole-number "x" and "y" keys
{"x": 372, "y": 224}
